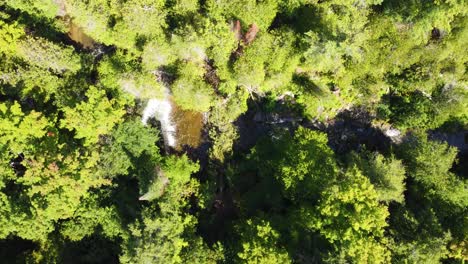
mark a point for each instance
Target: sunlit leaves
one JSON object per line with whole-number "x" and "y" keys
{"x": 19, "y": 130}
{"x": 97, "y": 116}
{"x": 350, "y": 217}
{"x": 48, "y": 55}
{"x": 260, "y": 244}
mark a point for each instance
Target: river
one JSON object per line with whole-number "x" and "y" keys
{"x": 179, "y": 127}
{"x": 75, "y": 32}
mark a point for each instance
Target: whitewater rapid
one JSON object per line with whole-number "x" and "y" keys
{"x": 161, "y": 109}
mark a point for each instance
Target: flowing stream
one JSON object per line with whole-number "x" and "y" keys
{"x": 178, "y": 127}
{"x": 161, "y": 109}
{"x": 75, "y": 32}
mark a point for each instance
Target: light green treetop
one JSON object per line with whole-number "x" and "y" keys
{"x": 350, "y": 218}
{"x": 97, "y": 116}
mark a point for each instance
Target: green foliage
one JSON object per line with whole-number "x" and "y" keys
{"x": 386, "y": 174}
{"x": 181, "y": 186}
{"x": 47, "y": 55}
{"x": 223, "y": 113}
{"x": 164, "y": 238}
{"x": 319, "y": 102}
{"x": 140, "y": 18}
{"x": 20, "y": 132}
{"x": 157, "y": 53}
{"x": 163, "y": 235}
{"x": 304, "y": 164}
{"x": 158, "y": 238}
{"x": 10, "y": 33}
{"x": 83, "y": 180}
{"x": 94, "y": 17}
{"x": 101, "y": 116}
{"x": 120, "y": 72}
{"x": 39, "y": 8}
{"x": 88, "y": 216}
{"x": 190, "y": 91}
{"x": 259, "y": 244}
{"x": 349, "y": 217}
{"x": 423, "y": 251}
{"x": 420, "y": 110}
{"x": 57, "y": 186}
{"x": 268, "y": 63}
{"x": 127, "y": 142}
{"x": 223, "y": 139}
{"x": 190, "y": 47}
{"x": 32, "y": 82}
{"x": 249, "y": 69}
{"x": 428, "y": 163}
{"x": 124, "y": 24}
{"x": 184, "y": 7}
{"x": 247, "y": 11}
{"x": 222, "y": 42}
{"x": 54, "y": 182}
{"x": 420, "y": 237}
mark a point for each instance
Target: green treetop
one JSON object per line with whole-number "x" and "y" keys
{"x": 97, "y": 116}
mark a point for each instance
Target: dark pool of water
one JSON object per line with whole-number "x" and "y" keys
{"x": 189, "y": 125}
{"x": 77, "y": 34}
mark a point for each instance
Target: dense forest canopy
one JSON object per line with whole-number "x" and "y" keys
{"x": 233, "y": 131}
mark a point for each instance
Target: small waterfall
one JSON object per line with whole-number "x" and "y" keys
{"x": 161, "y": 109}
{"x": 179, "y": 127}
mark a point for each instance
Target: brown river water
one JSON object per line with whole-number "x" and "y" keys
{"x": 189, "y": 125}
{"x": 179, "y": 128}
{"x": 77, "y": 34}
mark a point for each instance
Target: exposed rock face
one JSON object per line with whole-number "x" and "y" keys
{"x": 392, "y": 132}
{"x": 236, "y": 28}
{"x": 251, "y": 34}
{"x": 275, "y": 118}
{"x": 394, "y": 135}
{"x": 457, "y": 139}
